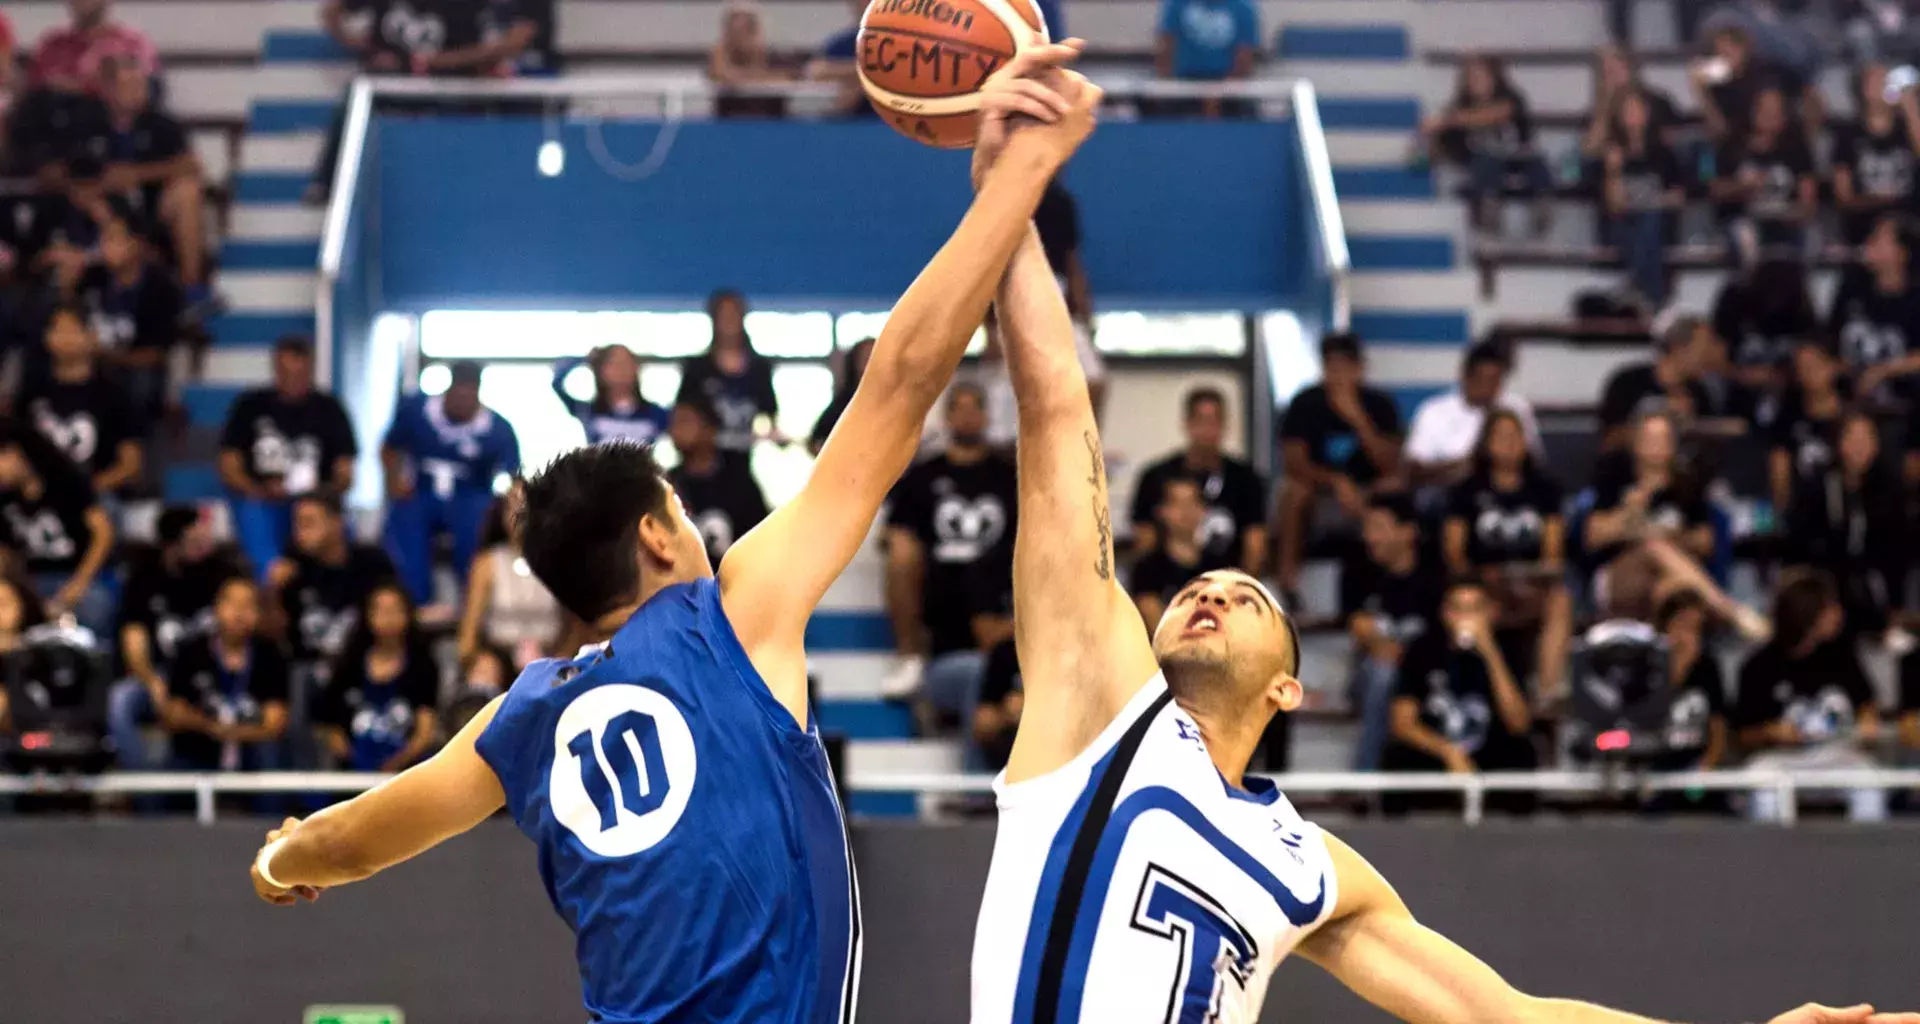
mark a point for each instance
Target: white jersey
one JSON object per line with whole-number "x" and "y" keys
{"x": 1134, "y": 886}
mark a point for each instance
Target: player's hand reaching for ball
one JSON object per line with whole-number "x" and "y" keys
{"x": 1035, "y": 86}
{"x": 1813, "y": 1013}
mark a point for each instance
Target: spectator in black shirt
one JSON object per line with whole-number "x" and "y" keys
{"x": 734, "y": 379}
{"x": 996, "y": 718}
{"x": 280, "y": 443}
{"x": 1726, "y": 82}
{"x": 1389, "y": 599}
{"x": 1338, "y": 437}
{"x": 1760, "y": 314}
{"x": 136, "y": 308}
{"x": 1849, "y": 519}
{"x": 1766, "y": 186}
{"x": 168, "y": 600}
{"x": 1666, "y": 385}
{"x": 950, "y": 528}
{"x": 1649, "y": 500}
{"x": 1505, "y": 528}
{"x": 1874, "y": 159}
{"x": 1876, "y": 314}
{"x": 1808, "y": 427}
{"x": 1804, "y": 701}
{"x": 320, "y": 585}
{"x": 227, "y": 690}
{"x": 1616, "y": 75}
{"x": 1489, "y": 129}
{"x": 1696, "y": 734}
{"x": 74, "y": 406}
{"x": 1646, "y": 188}
{"x": 377, "y": 713}
{"x": 56, "y": 528}
{"x": 1236, "y": 498}
{"x": 721, "y": 496}
{"x": 20, "y": 610}
{"x": 1910, "y": 706}
{"x": 1159, "y": 574}
{"x": 848, "y": 367}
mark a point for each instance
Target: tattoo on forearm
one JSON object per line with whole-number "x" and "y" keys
{"x": 1102, "y": 515}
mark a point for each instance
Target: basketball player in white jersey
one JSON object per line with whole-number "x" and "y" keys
{"x": 1139, "y": 877}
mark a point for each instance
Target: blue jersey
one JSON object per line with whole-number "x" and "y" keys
{"x": 689, "y": 830}
{"x": 449, "y": 458}
{"x": 639, "y": 421}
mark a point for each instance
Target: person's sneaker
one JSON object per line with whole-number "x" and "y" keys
{"x": 903, "y": 680}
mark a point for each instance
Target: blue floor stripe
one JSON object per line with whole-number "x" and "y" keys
{"x": 191, "y": 482}
{"x": 275, "y": 117}
{"x": 269, "y": 255}
{"x": 1401, "y": 252}
{"x": 1396, "y": 182}
{"x": 207, "y": 404}
{"x": 1369, "y": 113}
{"x": 270, "y": 186}
{"x": 866, "y": 719}
{"x": 291, "y": 47}
{"x": 1412, "y": 327}
{"x": 249, "y": 330}
{"x": 1345, "y": 42}
{"x": 883, "y": 804}
{"x": 849, "y": 631}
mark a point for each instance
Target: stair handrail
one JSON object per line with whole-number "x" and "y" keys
{"x": 1338, "y": 262}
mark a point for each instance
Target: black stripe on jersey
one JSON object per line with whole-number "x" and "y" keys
{"x": 850, "y": 989}
{"x": 1073, "y": 881}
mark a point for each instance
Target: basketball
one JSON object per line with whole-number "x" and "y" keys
{"x": 922, "y": 62}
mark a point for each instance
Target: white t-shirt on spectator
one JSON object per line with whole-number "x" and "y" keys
{"x": 1445, "y": 428}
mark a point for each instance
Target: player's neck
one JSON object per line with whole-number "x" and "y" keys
{"x": 651, "y": 583}
{"x": 1231, "y": 746}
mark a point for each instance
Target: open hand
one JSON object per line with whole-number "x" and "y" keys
{"x": 1017, "y": 90}
{"x": 1813, "y": 1013}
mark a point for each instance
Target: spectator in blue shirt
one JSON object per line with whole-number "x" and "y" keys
{"x": 441, "y": 457}
{"x": 1206, "y": 41}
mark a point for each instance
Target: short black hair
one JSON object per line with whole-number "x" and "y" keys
{"x": 1486, "y": 352}
{"x": 174, "y": 522}
{"x": 1464, "y": 581}
{"x": 960, "y": 387}
{"x": 293, "y": 345}
{"x": 1342, "y": 343}
{"x": 700, "y": 405}
{"x": 1395, "y": 504}
{"x": 1798, "y": 604}
{"x": 330, "y": 502}
{"x": 1202, "y": 395}
{"x": 464, "y": 371}
{"x": 580, "y": 525}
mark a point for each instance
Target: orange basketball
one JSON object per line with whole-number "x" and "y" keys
{"x": 922, "y": 62}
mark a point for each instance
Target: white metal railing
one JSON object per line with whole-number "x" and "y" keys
{"x": 1326, "y": 203}
{"x": 1786, "y": 785}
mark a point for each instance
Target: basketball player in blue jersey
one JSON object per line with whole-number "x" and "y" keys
{"x": 1139, "y": 876}
{"x": 672, "y": 777}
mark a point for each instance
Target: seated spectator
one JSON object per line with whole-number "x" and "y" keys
{"x": 487, "y": 673}
{"x": 316, "y": 589}
{"x": 377, "y": 714}
{"x": 1738, "y": 66}
{"x": 950, "y": 528}
{"x": 1697, "y": 735}
{"x": 1179, "y": 556}
{"x": 1882, "y": 32}
{"x": 1649, "y": 499}
{"x": 1446, "y": 427}
{"x": 135, "y": 307}
{"x": 1910, "y": 708}
{"x": 1760, "y": 314}
{"x": 1666, "y": 385}
{"x": 1804, "y": 701}
{"x": 53, "y": 523}
{"x": 227, "y": 690}
{"x": 1488, "y": 129}
{"x": 168, "y": 600}
{"x": 1849, "y": 518}
{"x": 455, "y": 41}
{"x": 1504, "y": 527}
{"x": 1646, "y": 189}
{"x": 1339, "y": 438}
{"x": 618, "y": 410}
{"x": 1456, "y": 707}
{"x": 1876, "y": 314}
{"x": 1616, "y": 75}
{"x": 996, "y": 718}
{"x": 507, "y": 607}
{"x": 837, "y": 63}
{"x": 20, "y": 611}
{"x": 1807, "y": 430}
{"x": 1235, "y": 530}
{"x": 1766, "y": 188}
{"x": 68, "y": 59}
{"x": 734, "y": 379}
{"x": 442, "y": 456}
{"x": 1874, "y": 159}
{"x": 719, "y": 491}
{"x": 739, "y": 58}
{"x": 1205, "y": 41}
{"x": 78, "y": 410}
{"x": 848, "y": 367}
{"x": 280, "y": 443}
{"x": 1389, "y": 599}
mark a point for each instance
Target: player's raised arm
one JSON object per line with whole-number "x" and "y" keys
{"x": 1374, "y": 946}
{"x": 772, "y": 578}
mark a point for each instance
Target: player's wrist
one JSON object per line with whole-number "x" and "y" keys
{"x": 263, "y": 863}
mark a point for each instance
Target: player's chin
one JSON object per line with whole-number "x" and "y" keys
{"x": 1192, "y": 649}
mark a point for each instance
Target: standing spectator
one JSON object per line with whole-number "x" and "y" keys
{"x": 1180, "y": 556}
{"x": 1488, "y": 129}
{"x": 136, "y": 308}
{"x": 75, "y": 408}
{"x": 734, "y": 379}
{"x": 739, "y": 58}
{"x": 1669, "y": 384}
{"x": 1808, "y": 428}
{"x": 1388, "y": 599}
{"x": 1765, "y": 186}
{"x": 1338, "y": 437}
{"x": 168, "y": 600}
{"x": 950, "y": 533}
{"x": 377, "y": 714}
{"x": 1804, "y": 701}
{"x": 227, "y": 690}
{"x": 442, "y": 455}
{"x": 618, "y": 410}
{"x": 1646, "y": 189}
{"x": 56, "y": 527}
{"x": 1446, "y": 427}
{"x": 1504, "y": 527}
{"x": 507, "y": 608}
{"x": 280, "y": 443}
{"x": 849, "y": 366}
{"x": 319, "y": 586}
{"x": 1874, "y": 159}
{"x": 1848, "y": 518}
{"x": 68, "y": 59}
{"x": 1235, "y": 530}
{"x": 719, "y": 491}
{"x": 1206, "y": 41}
{"x": 1760, "y": 314}
{"x": 1876, "y": 314}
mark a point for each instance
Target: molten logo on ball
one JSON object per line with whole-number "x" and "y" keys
{"x": 922, "y": 62}
{"x": 935, "y": 10}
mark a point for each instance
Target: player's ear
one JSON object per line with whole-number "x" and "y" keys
{"x": 656, "y": 539}
{"x": 1285, "y": 692}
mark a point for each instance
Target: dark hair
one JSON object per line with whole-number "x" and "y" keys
{"x": 1395, "y": 504}
{"x": 1677, "y": 604}
{"x": 174, "y": 522}
{"x": 1484, "y": 353}
{"x": 353, "y": 657}
{"x": 463, "y": 371}
{"x": 331, "y": 503}
{"x": 714, "y": 299}
{"x": 1482, "y": 454}
{"x": 1201, "y": 395}
{"x": 1464, "y": 581}
{"x": 1183, "y": 479}
{"x": 967, "y": 387}
{"x": 1342, "y": 343}
{"x": 486, "y": 650}
{"x": 597, "y": 358}
{"x": 1777, "y": 289}
{"x": 33, "y": 611}
{"x": 579, "y": 529}
{"x": 1798, "y": 604}
{"x": 494, "y": 528}
{"x": 236, "y": 579}
{"x": 700, "y": 405}
{"x": 293, "y": 345}
{"x": 1496, "y": 69}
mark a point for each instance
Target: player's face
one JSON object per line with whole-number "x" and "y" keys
{"x": 237, "y": 609}
{"x": 1220, "y": 617}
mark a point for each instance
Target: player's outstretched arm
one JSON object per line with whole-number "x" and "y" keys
{"x": 1374, "y": 946}
{"x": 774, "y": 576}
{"x": 401, "y": 818}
